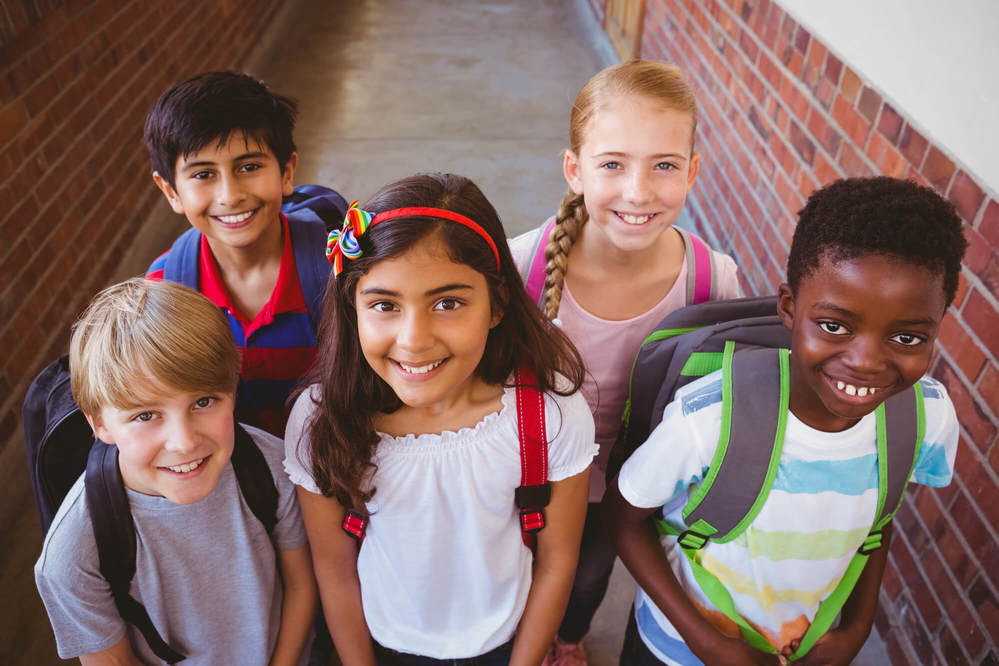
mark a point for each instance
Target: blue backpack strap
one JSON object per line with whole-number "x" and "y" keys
{"x": 114, "y": 533}
{"x": 308, "y": 240}
{"x": 254, "y": 478}
{"x": 182, "y": 262}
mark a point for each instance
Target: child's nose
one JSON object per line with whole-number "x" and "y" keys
{"x": 865, "y": 354}
{"x": 229, "y": 191}
{"x": 415, "y": 333}
{"x": 638, "y": 187}
{"x": 181, "y": 438}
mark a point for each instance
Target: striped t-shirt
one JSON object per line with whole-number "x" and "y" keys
{"x": 819, "y": 511}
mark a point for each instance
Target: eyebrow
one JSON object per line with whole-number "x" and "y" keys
{"x": 244, "y": 156}
{"x": 377, "y": 291}
{"x": 612, "y": 153}
{"x": 850, "y": 314}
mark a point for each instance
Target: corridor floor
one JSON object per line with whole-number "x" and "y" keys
{"x": 388, "y": 88}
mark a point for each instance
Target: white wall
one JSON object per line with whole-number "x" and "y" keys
{"x": 935, "y": 61}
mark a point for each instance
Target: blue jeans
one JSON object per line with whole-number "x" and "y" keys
{"x": 496, "y": 657}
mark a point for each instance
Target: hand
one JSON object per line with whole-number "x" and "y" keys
{"x": 836, "y": 648}
{"x": 737, "y": 652}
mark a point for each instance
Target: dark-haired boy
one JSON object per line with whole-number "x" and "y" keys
{"x": 873, "y": 265}
{"x": 222, "y": 153}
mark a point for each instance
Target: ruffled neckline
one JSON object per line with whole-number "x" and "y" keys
{"x": 450, "y": 438}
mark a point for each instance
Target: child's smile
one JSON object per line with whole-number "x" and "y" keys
{"x": 862, "y": 330}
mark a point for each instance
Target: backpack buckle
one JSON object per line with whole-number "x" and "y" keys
{"x": 354, "y": 524}
{"x": 532, "y": 521}
{"x": 692, "y": 540}
{"x": 533, "y": 497}
{"x": 871, "y": 543}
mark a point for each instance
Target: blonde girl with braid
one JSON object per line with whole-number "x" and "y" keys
{"x": 610, "y": 265}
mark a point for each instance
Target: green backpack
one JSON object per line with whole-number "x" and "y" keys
{"x": 745, "y": 339}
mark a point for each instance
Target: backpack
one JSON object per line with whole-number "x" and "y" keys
{"x": 312, "y": 210}
{"x": 534, "y": 492}
{"x": 61, "y": 446}
{"x": 701, "y": 272}
{"x": 746, "y": 340}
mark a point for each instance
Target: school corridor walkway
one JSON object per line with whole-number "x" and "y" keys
{"x": 388, "y": 88}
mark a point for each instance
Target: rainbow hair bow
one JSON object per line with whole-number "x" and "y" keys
{"x": 344, "y": 242}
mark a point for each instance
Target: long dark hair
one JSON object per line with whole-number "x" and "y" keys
{"x": 342, "y": 433}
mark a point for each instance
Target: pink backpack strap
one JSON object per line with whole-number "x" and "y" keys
{"x": 534, "y": 492}
{"x": 701, "y": 270}
{"x": 534, "y": 275}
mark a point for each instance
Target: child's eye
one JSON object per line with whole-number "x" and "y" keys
{"x": 666, "y": 166}
{"x": 205, "y": 401}
{"x": 143, "y": 416}
{"x": 250, "y": 166}
{"x": 201, "y": 175}
{"x": 383, "y": 306}
{"x": 611, "y": 165}
{"x": 448, "y": 304}
{"x": 833, "y": 328}
{"x": 908, "y": 339}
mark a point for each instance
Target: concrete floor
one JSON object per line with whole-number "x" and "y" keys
{"x": 388, "y": 88}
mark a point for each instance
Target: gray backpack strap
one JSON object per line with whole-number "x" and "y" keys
{"x": 754, "y": 396}
{"x": 901, "y": 423}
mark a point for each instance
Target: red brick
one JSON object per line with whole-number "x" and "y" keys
{"x": 854, "y": 125}
{"x": 912, "y": 144}
{"x": 888, "y": 160}
{"x": 983, "y": 319}
{"x": 966, "y": 195}
{"x": 988, "y": 388}
{"x": 796, "y": 101}
{"x": 801, "y": 143}
{"x": 824, "y": 171}
{"x": 950, "y": 646}
{"x": 978, "y": 481}
{"x": 823, "y": 132}
{"x": 983, "y": 600}
{"x": 869, "y": 104}
{"x": 890, "y": 123}
{"x": 979, "y": 251}
{"x": 968, "y": 357}
{"x": 834, "y": 67}
{"x": 978, "y": 425}
{"x": 850, "y": 85}
{"x": 852, "y": 163}
{"x": 938, "y": 169}
{"x": 788, "y": 195}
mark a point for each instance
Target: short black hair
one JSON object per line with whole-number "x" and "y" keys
{"x": 211, "y": 107}
{"x": 881, "y": 215}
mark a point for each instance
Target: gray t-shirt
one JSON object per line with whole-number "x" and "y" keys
{"x": 206, "y": 572}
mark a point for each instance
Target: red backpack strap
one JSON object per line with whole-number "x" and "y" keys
{"x": 354, "y": 524}
{"x": 700, "y": 269}
{"x": 534, "y": 492}
{"x": 534, "y": 277}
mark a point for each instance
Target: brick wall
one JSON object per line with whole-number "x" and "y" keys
{"x": 780, "y": 116}
{"x": 76, "y": 79}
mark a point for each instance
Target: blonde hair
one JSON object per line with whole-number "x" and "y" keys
{"x": 140, "y": 332}
{"x": 657, "y": 81}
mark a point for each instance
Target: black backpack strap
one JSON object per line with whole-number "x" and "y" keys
{"x": 254, "y": 478}
{"x": 754, "y": 396}
{"x": 114, "y": 533}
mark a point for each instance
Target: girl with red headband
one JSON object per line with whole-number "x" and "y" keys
{"x": 443, "y": 426}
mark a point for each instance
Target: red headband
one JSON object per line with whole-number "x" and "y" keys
{"x": 441, "y": 213}
{"x": 342, "y": 243}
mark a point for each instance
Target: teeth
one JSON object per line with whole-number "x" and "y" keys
{"x": 420, "y": 369}
{"x": 234, "y": 219}
{"x": 634, "y": 219}
{"x": 850, "y": 389}
{"x": 187, "y": 467}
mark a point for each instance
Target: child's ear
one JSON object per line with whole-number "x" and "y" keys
{"x": 288, "y": 175}
{"x": 693, "y": 170}
{"x": 499, "y": 306}
{"x": 570, "y": 168}
{"x": 168, "y": 191}
{"x": 785, "y": 305}
{"x": 97, "y": 425}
